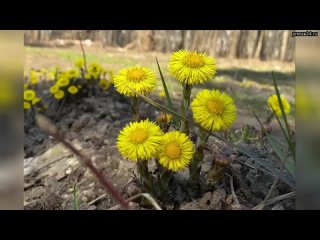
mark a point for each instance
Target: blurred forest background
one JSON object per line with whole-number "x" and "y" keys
{"x": 258, "y": 44}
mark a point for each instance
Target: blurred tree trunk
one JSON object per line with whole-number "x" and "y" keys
{"x": 290, "y": 49}
{"x": 247, "y": 43}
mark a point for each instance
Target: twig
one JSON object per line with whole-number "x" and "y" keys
{"x": 262, "y": 205}
{"x": 271, "y": 189}
{"x": 234, "y": 196}
{"x": 46, "y": 126}
{"x": 146, "y": 195}
{"x": 97, "y": 199}
{"x": 83, "y": 53}
{"x": 276, "y": 199}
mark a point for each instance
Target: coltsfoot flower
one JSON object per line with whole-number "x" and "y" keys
{"x": 59, "y": 95}
{"x": 63, "y": 82}
{"x": 29, "y": 95}
{"x": 26, "y": 105}
{"x": 140, "y": 79}
{"x": 213, "y": 110}
{"x": 175, "y": 151}
{"x": 104, "y": 84}
{"x": 191, "y": 67}
{"x": 274, "y": 104}
{"x": 139, "y": 140}
{"x": 73, "y": 89}
{"x": 54, "y": 89}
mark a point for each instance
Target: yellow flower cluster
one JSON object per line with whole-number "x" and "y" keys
{"x": 66, "y": 83}
{"x": 30, "y": 99}
{"x": 145, "y": 140}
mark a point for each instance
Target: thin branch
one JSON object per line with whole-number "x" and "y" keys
{"x": 145, "y": 195}
{"x": 46, "y": 126}
{"x": 97, "y": 199}
{"x": 263, "y": 204}
{"x": 234, "y": 196}
{"x": 273, "y": 200}
{"x": 83, "y": 52}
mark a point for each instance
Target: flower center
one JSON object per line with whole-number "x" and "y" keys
{"x": 136, "y": 75}
{"x": 138, "y": 135}
{"x": 194, "y": 60}
{"x": 173, "y": 150}
{"x": 215, "y": 106}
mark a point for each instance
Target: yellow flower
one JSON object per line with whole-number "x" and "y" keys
{"x": 34, "y": 77}
{"x": 36, "y": 100}
{"x": 139, "y": 140}
{"x": 25, "y": 86}
{"x": 274, "y": 104}
{"x": 34, "y": 80}
{"x": 29, "y": 95}
{"x": 59, "y": 95}
{"x": 175, "y": 151}
{"x": 94, "y": 70}
{"x": 104, "y": 84}
{"x": 72, "y": 89}
{"x": 51, "y": 76}
{"x": 163, "y": 117}
{"x": 54, "y": 89}
{"x": 138, "y": 78}
{"x": 192, "y": 67}
{"x": 87, "y": 76}
{"x": 73, "y": 73}
{"x": 26, "y": 105}
{"x": 213, "y": 110}
{"x": 43, "y": 71}
{"x": 79, "y": 63}
{"x": 63, "y": 82}
{"x": 162, "y": 94}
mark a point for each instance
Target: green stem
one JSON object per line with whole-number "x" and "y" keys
{"x": 195, "y": 165}
{"x": 185, "y": 108}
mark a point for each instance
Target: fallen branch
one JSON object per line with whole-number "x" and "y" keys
{"x": 46, "y": 126}
{"x": 145, "y": 195}
{"x": 276, "y": 199}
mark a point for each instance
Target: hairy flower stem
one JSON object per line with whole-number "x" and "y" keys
{"x": 185, "y": 108}
{"x": 145, "y": 177}
{"x": 59, "y": 109}
{"x": 195, "y": 165}
{"x": 135, "y": 109}
{"x": 163, "y": 179}
{"x": 142, "y": 166}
